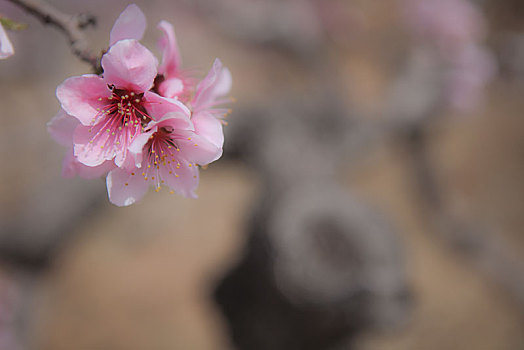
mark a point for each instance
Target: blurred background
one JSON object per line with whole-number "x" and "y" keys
{"x": 370, "y": 195}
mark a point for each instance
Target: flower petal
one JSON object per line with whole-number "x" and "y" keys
{"x": 93, "y": 151}
{"x": 195, "y": 148}
{"x": 131, "y": 24}
{"x": 137, "y": 146}
{"x": 217, "y": 83}
{"x": 171, "y": 87}
{"x": 170, "y": 52}
{"x": 6, "y": 48}
{"x": 209, "y": 127}
{"x": 72, "y": 167}
{"x": 62, "y": 127}
{"x": 183, "y": 180}
{"x": 79, "y": 96}
{"x": 129, "y": 65}
{"x": 124, "y": 188}
{"x": 158, "y": 107}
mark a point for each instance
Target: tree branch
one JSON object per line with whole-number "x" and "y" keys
{"x": 485, "y": 250}
{"x": 71, "y": 25}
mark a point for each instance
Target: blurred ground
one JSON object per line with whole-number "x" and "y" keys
{"x": 141, "y": 277}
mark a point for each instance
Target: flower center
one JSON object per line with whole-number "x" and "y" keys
{"x": 125, "y": 108}
{"x": 118, "y": 122}
{"x": 161, "y": 157}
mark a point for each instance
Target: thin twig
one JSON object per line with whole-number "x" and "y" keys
{"x": 71, "y": 25}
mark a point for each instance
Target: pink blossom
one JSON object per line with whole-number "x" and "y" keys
{"x": 6, "y": 48}
{"x": 173, "y": 82}
{"x": 118, "y": 124}
{"x": 62, "y": 128}
{"x": 115, "y": 109}
{"x": 210, "y": 92}
{"x": 468, "y": 74}
{"x": 449, "y": 24}
{"x": 167, "y": 153}
{"x": 454, "y": 30}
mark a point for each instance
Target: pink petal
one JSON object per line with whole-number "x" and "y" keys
{"x": 131, "y": 24}
{"x": 62, "y": 127}
{"x": 217, "y": 83}
{"x": 79, "y": 96}
{"x": 158, "y": 107}
{"x": 137, "y": 146}
{"x": 171, "y": 87}
{"x": 124, "y": 188}
{"x": 186, "y": 182}
{"x": 209, "y": 127}
{"x": 195, "y": 148}
{"x": 129, "y": 65}
{"x": 94, "y": 151}
{"x": 170, "y": 52}
{"x": 6, "y": 48}
{"x": 72, "y": 167}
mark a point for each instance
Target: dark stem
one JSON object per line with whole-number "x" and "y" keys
{"x": 71, "y": 25}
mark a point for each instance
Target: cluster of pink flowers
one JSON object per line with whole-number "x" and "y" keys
{"x": 141, "y": 123}
{"x": 456, "y": 30}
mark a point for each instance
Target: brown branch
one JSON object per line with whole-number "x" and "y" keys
{"x": 485, "y": 250}
{"x": 71, "y": 25}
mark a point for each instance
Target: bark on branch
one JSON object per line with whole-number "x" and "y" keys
{"x": 71, "y": 25}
